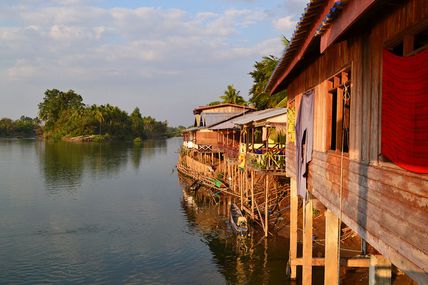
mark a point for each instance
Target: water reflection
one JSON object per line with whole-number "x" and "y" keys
{"x": 241, "y": 260}
{"x": 63, "y": 164}
{"x": 148, "y": 149}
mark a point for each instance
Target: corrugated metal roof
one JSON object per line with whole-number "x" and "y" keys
{"x": 202, "y": 108}
{"x": 209, "y": 119}
{"x": 248, "y": 118}
{"x": 227, "y": 125}
{"x": 260, "y": 115}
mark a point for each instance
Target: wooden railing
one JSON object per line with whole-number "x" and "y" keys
{"x": 266, "y": 161}
{"x": 205, "y": 148}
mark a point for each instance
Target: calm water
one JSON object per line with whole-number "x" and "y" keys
{"x": 116, "y": 213}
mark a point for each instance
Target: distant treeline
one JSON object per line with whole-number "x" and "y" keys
{"x": 23, "y": 127}
{"x": 63, "y": 114}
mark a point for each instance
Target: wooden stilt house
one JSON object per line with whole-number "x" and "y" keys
{"x": 200, "y": 137}
{"x": 356, "y": 72}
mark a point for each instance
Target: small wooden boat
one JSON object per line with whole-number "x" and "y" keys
{"x": 196, "y": 185}
{"x": 238, "y": 221}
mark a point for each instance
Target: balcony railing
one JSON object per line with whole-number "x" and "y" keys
{"x": 205, "y": 148}
{"x": 266, "y": 161}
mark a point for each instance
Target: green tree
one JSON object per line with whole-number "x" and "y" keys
{"x": 214, "y": 103}
{"x": 99, "y": 117}
{"x": 55, "y": 102}
{"x": 7, "y": 127}
{"x": 231, "y": 95}
{"x": 261, "y": 73}
{"x": 65, "y": 115}
{"x": 137, "y": 124}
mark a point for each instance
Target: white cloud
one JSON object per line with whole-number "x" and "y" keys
{"x": 52, "y": 44}
{"x": 21, "y": 69}
{"x": 284, "y": 24}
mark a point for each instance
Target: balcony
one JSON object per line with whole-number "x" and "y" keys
{"x": 269, "y": 159}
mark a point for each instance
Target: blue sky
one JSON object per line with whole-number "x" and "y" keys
{"x": 166, "y": 57}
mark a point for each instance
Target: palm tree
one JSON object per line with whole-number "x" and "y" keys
{"x": 99, "y": 117}
{"x": 231, "y": 95}
{"x": 261, "y": 73}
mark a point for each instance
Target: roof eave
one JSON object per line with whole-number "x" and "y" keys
{"x": 328, "y": 28}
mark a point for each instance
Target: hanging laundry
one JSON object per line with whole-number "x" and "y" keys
{"x": 405, "y": 110}
{"x": 264, "y": 134}
{"x": 304, "y": 139}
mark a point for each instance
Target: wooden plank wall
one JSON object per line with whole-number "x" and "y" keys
{"x": 387, "y": 206}
{"x": 206, "y": 138}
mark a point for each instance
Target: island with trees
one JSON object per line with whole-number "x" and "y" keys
{"x": 64, "y": 116}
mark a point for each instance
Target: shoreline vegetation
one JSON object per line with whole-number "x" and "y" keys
{"x": 64, "y": 116}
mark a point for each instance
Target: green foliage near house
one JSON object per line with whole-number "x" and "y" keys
{"x": 261, "y": 73}
{"x": 231, "y": 95}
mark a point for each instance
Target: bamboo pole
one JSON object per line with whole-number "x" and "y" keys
{"x": 252, "y": 194}
{"x": 241, "y": 188}
{"x": 246, "y": 186}
{"x": 233, "y": 178}
{"x": 266, "y": 205}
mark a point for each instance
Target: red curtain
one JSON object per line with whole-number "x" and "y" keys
{"x": 405, "y": 110}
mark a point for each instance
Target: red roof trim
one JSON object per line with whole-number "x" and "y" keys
{"x": 305, "y": 45}
{"x": 291, "y": 57}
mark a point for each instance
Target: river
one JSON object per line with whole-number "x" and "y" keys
{"x": 115, "y": 213}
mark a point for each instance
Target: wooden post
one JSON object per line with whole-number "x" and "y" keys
{"x": 307, "y": 243}
{"x": 266, "y": 205}
{"x": 226, "y": 167}
{"x": 379, "y": 270}
{"x": 234, "y": 178}
{"x": 293, "y": 226}
{"x": 241, "y": 174}
{"x": 408, "y": 44}
{"x": 339, "y": 119}
{"x": 332, "y": 231}
{"x": 252, "y": 138}
{"x": 252, "y": 194}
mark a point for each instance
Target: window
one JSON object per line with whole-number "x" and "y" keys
{"x": 339, "y": 107}
{"x": 411, "y": 43}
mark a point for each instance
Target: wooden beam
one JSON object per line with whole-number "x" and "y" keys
{"x": 316, "y": 261}
{"x": 358, "y": 262}
{"x": 380, "y": 270}
{"x": 332, "y": 232}
{"x": 352, "y": 11}
{"x": 307, "y": 243}
{"x": 339, "y": 119}
{"x": 293, "y": 226}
